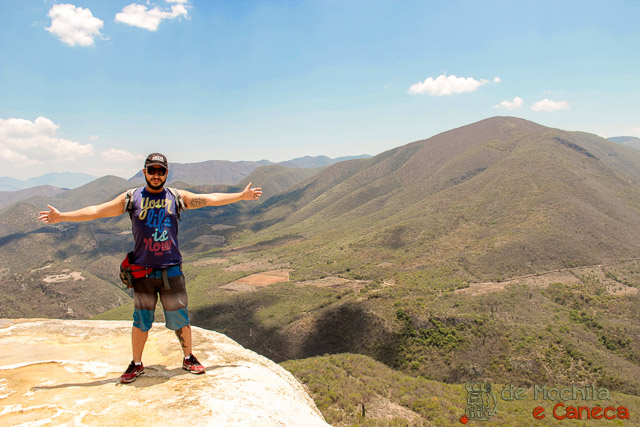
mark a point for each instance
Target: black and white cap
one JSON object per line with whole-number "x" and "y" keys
{"x": 156, "y": 159}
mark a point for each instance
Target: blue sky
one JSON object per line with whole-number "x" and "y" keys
{"x": 94, "y": 86}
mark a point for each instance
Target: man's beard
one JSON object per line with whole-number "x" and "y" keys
{"x": 154, "y": 187}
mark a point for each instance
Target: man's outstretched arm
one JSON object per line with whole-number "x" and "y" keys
{"x": 195, "y": 201}
{"x": 109, "y": 209}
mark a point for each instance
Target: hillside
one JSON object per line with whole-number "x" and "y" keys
{"x": 7, "y": 198}
{"x": 579, "y": 326}
{"x": 495, "y": 199}
{"x": 276, "y": 179}
{"x": 68, "y": 270}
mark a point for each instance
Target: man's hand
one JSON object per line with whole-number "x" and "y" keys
{"x": 251, "y": 193}
{"x": 50, "y": 217}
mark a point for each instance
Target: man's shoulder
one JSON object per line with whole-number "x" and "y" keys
{"x": 129, "y": 198}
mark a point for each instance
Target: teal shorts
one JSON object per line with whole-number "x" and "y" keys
{"x": 174, "y": 302}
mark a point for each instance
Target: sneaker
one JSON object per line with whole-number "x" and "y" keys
{"x": 192, "y": 365}
{"x": 132, "y": 373}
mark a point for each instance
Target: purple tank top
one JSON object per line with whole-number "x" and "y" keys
{"x": 154, "y": 222}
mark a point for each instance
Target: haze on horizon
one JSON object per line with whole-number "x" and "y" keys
{"x": 102, "y": 84}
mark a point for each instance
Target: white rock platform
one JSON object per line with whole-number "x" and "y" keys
{"x": 67, "y": 372}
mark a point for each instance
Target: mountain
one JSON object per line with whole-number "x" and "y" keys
{"x": 496, "y": 198}
{"x": 66, "y": 270}
{"x": 275, "y": 179}
{"x": 222, "y": 172}
{"x": 60, "y": 180}
{"x": 11, "y": 184}
{"x": 629, "y": 141}
{"x": 9, "y": 197}
{"x": 502, "y": 251}
{"x": 318, "y": 161}
{"x": 212, "y": 172}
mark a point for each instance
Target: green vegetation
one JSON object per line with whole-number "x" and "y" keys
{"x": 354, "y": 390}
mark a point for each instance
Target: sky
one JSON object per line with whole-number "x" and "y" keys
{"x": 95, "y": 86}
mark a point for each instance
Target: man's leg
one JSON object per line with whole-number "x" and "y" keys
{"x": 138, "y": 339}
{"x": 184, "y": 335}
{"x": 174, "y": 302}
{"x": 145, "y": 298}
{"x": 144, "y": 305}
{"x": 190, "y": 363}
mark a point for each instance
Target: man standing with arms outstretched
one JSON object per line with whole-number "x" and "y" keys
{"x": 154, "y": 221}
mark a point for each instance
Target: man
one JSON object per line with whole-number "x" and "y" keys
{"x": 154, "y": 211}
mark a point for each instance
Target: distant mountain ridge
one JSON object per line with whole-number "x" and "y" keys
{"x": 9, "y": 197}
{"x": 623, "y": 139}
{"x": 212, "y": 172}
{"x": 318, "y": 161}
{"x": 61, "y": 180}
{"x": 224, "y": 172}
{"x": 629, "y": 141}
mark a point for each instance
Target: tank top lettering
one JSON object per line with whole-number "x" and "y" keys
{"x": 154, "y": 222}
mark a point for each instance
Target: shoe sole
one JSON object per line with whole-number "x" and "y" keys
{"x": 194, "y": 372}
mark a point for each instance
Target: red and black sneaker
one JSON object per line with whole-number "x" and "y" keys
{"x": 192, "y": 365}
{"x": 132, "y": 372}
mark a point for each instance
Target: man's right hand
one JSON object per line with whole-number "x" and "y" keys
{"x": 51, "y": 216}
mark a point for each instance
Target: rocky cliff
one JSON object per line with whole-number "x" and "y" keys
{"x": 67, "y": 372}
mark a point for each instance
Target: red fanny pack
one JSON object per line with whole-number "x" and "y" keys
{"x": 129, "y": 271}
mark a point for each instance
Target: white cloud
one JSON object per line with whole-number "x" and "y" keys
{"x": 446, "y": 85}
{"x": 74, "y": 25}
{"x": 27, "y": 143}
{"x": 549, "y": 105}
{"x": 115, "y": 155}
{"x": 511, "y": 105}
{"x": 497, "y": 79}
{"x": 137, "y": 15}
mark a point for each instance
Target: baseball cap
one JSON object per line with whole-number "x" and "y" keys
{"x": 156, "y": 159}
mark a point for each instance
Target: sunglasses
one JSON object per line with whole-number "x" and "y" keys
{"x": 153, "y": 171}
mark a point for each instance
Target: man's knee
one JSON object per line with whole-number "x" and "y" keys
{"x": 143, "y": 319}
{"x": 177, "y": 319}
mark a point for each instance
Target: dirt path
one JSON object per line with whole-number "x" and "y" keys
{"x": 566, "y": 276}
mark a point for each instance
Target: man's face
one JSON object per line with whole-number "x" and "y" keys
{"x": 155, "y": 177}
